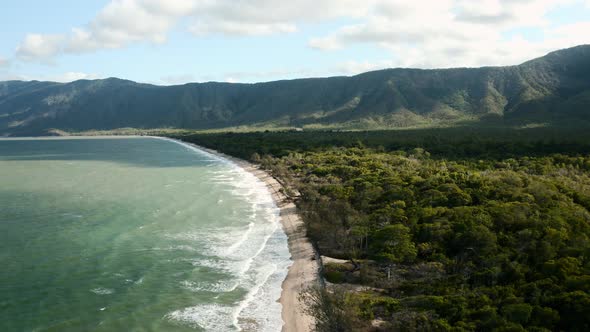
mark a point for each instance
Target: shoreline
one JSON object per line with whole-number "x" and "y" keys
{"x": 304, "y": 268}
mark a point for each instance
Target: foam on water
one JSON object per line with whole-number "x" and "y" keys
{"x": 240, "y": 242}
{"x": 211, "y": 317}
{"x": 102, "y": 291}
{"x": 218, "y": 287}
{"x": 253, "y": 254}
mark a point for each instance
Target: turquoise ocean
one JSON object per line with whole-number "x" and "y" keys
{"x": 135, "y": 234}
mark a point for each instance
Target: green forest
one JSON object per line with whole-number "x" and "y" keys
{"x": 442, "y": 229}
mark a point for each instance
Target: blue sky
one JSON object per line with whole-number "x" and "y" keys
{"x": 179, "y": 41}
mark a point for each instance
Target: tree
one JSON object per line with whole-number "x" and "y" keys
{"x": 393, "y": 243}
{"x": 518, "y": 313}
{"x": 328, "y": 309}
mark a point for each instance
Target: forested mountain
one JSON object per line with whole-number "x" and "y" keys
{"x": 551, "y": 89}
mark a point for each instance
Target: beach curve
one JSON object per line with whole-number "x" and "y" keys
{"x": 303, "y": 271}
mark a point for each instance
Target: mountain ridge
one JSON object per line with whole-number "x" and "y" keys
{"x": 549, "y": 89}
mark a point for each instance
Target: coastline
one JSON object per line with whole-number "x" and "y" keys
{"x": 303, "y": 271}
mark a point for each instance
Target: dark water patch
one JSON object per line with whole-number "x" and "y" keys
{"x": 134, "y": 151}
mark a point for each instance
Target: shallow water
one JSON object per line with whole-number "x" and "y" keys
{"x": 135, "y": 234}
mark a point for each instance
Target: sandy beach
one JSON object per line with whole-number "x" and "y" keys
{"x": 304, "y": 270}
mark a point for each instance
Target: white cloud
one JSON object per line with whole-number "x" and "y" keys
{"x": 73, "y": 76}
{"x": 241, "y": 29}
{"x": 39, "y": 46}
{"x": 62, "y": 78}
{"x": 455, "y": 33}
{"x": 353, "y": 67}
{"x": 11, "y": 77}
{"x": 122, "y": 22}
{"x": 249, "y": 76}
{"x": 424, "y": 33}
{"x": 244, "y": 76}
{"x": 272, "y": 12}
{"x": 117, "y": 25}
{"x": 506, "y": 12}
{"x": 171, "y": 7}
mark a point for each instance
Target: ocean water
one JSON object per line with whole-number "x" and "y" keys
{"x": 135, "y": 234}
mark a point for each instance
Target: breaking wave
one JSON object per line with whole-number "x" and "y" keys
{"x": 251, "y": 255}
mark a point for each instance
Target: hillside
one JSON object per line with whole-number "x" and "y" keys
{"x": 551, "y": 89}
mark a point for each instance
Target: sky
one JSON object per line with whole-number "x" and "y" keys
{"x": 169, "y": 42}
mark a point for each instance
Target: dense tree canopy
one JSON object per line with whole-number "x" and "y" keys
{"x": 449, "y": 241}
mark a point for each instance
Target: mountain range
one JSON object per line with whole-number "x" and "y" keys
{"x": 549, "y": 90}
